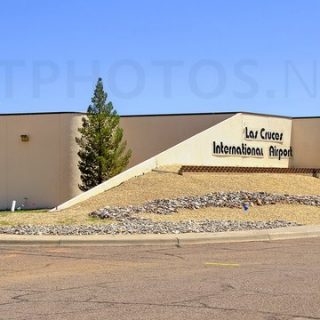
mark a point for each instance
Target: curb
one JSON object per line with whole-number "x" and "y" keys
{"x": 301, "y": 232}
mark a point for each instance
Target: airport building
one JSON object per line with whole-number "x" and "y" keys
{"x": 38, "y": 163}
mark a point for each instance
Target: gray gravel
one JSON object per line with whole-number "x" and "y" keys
{"x": 218, "y": 199}
{"x": 144, "y": 226}
{"x": 127, "y": 220}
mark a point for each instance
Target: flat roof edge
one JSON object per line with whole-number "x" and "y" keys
{"x": 125, "y": 115}
{"x": 163, "y": 114}
{"x": 178, "y": 114}
{"x": 310, "y": 117}
{"x": 39, "y": 113}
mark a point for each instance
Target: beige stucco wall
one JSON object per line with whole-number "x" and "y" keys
{"x": 43, "y": 169}
{"x": 150, "y": 135}
{"x": 305, "y": 141}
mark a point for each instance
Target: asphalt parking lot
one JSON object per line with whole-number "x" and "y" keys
{"x": 256, "y": 280}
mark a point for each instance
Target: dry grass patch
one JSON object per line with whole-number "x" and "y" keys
{"x": 167, "y": 184}
{"x": 294, "y": 213}
{"x": 43, "y": 217}
{"x": 158, "y": 185}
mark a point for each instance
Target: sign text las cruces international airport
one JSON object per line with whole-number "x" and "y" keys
{"x": 245, "y": 150}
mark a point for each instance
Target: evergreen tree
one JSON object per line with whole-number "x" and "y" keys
{"x": 102, "y": 152}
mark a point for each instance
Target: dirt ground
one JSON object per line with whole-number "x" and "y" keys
{"x": 168, "y": 184}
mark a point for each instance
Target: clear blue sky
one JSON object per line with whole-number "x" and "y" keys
{"x": 168, "y": 56}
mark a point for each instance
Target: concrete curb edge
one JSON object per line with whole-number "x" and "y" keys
{"x": 310, "y": 231}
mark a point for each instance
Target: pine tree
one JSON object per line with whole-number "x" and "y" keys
{"x": 102, "y": 152}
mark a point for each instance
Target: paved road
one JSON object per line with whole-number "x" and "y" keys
{"x": 264, "y": 280}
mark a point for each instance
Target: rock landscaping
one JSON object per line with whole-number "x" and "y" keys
{"x": 146, "y": 226}
{"x": 217, "y": 199}
{"x": 127, "y": 220}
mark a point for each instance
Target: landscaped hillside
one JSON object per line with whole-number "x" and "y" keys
{"x": 168, "y": 184}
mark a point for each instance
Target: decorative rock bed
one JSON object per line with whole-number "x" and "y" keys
{"x": 127, "y": 220}
{"x": 144, "y": 226}
{"x": 218, "y": 199}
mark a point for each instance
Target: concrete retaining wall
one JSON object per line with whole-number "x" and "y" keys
{"x": 197, "y": 150}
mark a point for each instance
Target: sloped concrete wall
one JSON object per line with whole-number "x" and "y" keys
{"x": 197, "y": 150}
